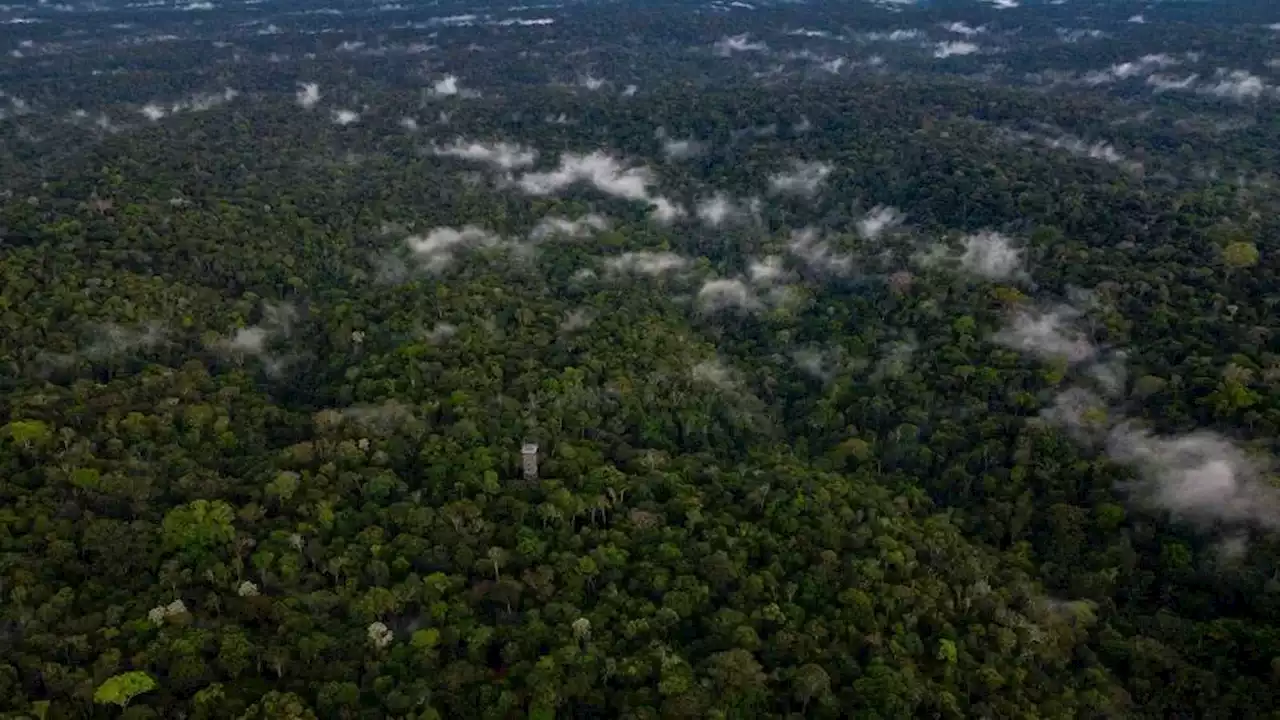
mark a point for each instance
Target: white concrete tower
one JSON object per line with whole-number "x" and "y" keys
{"x": 529, "y": 460}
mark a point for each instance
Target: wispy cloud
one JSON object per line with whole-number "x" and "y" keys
{"x": 894, "y": 36}
{"x": 1236, "y": 85}
{"x": 647, "y": 263}
{"x": 803, "y": 178}
{"x": 720, "y": 209}
{"x": 766, "y": 270}
{"x": 435, "y": 251}
{"x": 816, "y": 363}
{"x": 1048, "y": 334}
{"x": 962, "y": 28}
{"x": 1080, "y": 412}
{"x": 577, "y": 319}
{"x": 1162, "y": 82}
{"x": 722, "y": 294}
{"x": 448, "y": 86}
{"x": 738, "y": 43}
{"x": 584, "y": 226}
{"x": 715, "y": 373}
{"x": 277, "y": 321}
{"x": 110, "y": 340}
{"x": 599, "y": 169}
{"x": 1136, "y": 68}
{"x": 196, "y": 103}
{"x": 501, "y": 155}
{"x": 308, "y": 95}
{"x": 439, "y": 333}
{"x": 878, "y": 220}
{"x": 1201, "y": 476}
{"x": 345, "y": 117}
{"x": 817, "y": 253}
{"x": 991, "y": 255}
{"x": 1097, "y": 150}
{"x": 605, "y": 173}
{"x": 680, "y": 149}
{"x": 953, "y": 48}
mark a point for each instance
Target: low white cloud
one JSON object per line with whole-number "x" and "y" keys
{"x": 454, "y": 20}
{"x": 1110, "y": 375}
{"x": 110, "y": 340}
{"x": 722, "y": 294}
{"x": 591, "y": 82}
{"x": 577, "y": 319}
{"x": 665, "y": 211}
{"x": 878, "y": 220}
{"x": 1097, "y": 150}
{"x": 196, "y": 103}
{"x": 897, "y": 359}
{"x": 382, "y": 419}
{"x": 991, "y": 255}
{"x": 446, "y": 86}
{"x": 803, "y": 178}
{"x": 894, "y": 36}
{"x": 816, "y": 363}
{"x": 605, "y": 173}
{"x": 1201, "y": 477}
{"x": 1048, "y": 334}
{"x": 1075, "y": 35}
{"x": 277, "y": 321}
{"x": 834, "y": 65}
{"x": 582, "y": 227}
{"x": 501, "y": 155}
{"x": 1144, "y": 65}
{"x": 647, "y": 263}
{"x": 435, "y": 251}
{"x": 1236, "y": 85}
{"x": 674, "y": 149}
{"x": 1239, "y": 85}
{"x": 1162, "y": 82}
{"x": 716, "y": 373}
{"x": 439, "y": 333}
{"x": 523, "y": 22}
{"x": 308, "y": 95}
{"x": 345, "y": 117}
{"x": 962, "y": 28}
{"x": 953, "y": 48}
{"x": 1138, "y": 19}
{"x": 766, "y": 270}
{"x": 720, "y": 209}
{"x": 598, "y": 169}
{"x": 738, "y": 43}
{"x": 817, "y": 253}
{"x": 1081, "y": 413}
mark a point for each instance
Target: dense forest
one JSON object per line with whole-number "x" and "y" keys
{"x": 640, "y": 360}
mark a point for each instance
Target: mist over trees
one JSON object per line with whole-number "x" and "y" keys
{"x": 689, "y": 359}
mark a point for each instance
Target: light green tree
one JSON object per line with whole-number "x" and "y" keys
{"x": 1240, "y": 254}
{"x": 120, "y": 689}
{"x": 198, "y": 527}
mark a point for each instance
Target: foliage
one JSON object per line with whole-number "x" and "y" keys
{"x": 254, "y": 446}
{"x": 121, "y": 689}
